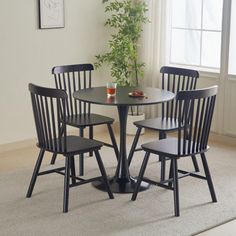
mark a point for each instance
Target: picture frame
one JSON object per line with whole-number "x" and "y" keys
{"x": 51, "y": 14}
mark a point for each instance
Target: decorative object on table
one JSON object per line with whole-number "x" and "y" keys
{"x": 126, "y": 18}
{"x": 51, "y": 14}
{"x": 111, "y": 89}
{"x": 137, "y": 94}
{"x": 50, "y": 115}
{"x": 194, "y": 125}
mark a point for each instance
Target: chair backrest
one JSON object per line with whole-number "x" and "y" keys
{"x": 72, "y": 78}
{"x": 196, "y": 109}
{"x": 174, "y": 80}
{"x": 49, "y": 109}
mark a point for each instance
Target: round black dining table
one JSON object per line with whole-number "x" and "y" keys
{"x": 122, "y": 182}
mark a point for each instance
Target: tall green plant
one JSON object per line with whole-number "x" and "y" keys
{"x": 126, "y": 17}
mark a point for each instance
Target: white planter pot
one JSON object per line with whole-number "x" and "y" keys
{"x": 131, "y": 128}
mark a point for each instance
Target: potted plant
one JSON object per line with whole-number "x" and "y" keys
{"x": 126, "y": 19}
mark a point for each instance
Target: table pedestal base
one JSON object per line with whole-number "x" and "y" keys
{"x": 118, "y": 186}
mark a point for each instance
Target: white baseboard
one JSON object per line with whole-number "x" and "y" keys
{"x": 222, "y": 138}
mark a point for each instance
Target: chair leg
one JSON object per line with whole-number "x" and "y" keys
{"x": 195, "y": 164}
{"x": 53, "y": 160}
{"x": 81, "y": 156}
{"x": 91, "y": 137}
{"x": 208, "y": 176}
{"x": 66, "y": 184}
{"x": 113, "y": 140}
{"x": 162, "y": 135}
{"x": 54, "y": 156}
{"x": 163, "y": 168}
{"x": 104, "y": 175}
{"x": 35, "y": 173}
{"x": 175, "y": 186}
{"x": 73, "y": 173}
{"x": 194, "y": 160}
{"x": 170, "y": 173}
{"x": 140, "y": 177}
{"x": 134, "y": 144}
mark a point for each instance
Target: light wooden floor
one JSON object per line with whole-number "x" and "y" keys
{"x": 228, "y": 229}
{"x": 10, "y": 161}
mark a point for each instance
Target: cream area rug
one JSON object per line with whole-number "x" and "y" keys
{"x": 92, "y": 213}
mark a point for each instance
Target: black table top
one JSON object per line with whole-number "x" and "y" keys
{"x": 97, "y": 95}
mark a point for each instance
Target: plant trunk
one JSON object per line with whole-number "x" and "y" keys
{"x": 136, "y": 78}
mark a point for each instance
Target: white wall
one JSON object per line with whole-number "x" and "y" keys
{"x": 229, "y": 122}
{"x": 27, "y": 54}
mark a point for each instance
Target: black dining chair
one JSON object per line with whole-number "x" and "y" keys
{"x": 49, "y": 109}
{"x": 173, "y": 79}
{"x": 72, "y": 78}
{"x": 195, "y": 112}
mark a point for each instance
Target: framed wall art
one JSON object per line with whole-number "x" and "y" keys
{"x": 51, "y": 14}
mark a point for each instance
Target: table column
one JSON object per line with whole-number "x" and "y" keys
{"x": 122, "y": 171}
{"x": 122, "y": 182}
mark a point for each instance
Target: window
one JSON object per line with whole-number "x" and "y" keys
{"x": 232, "y": 51}
{"x": 195, "y": 37}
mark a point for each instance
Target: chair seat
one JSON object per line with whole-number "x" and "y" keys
{"x": 168, "y": 147}
{"x": 158, "y": 124}
{"x": 84, "y": 120}
{"x": 77, "y": 145}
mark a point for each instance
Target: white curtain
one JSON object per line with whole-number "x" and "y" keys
{"x": 152, "y": 51}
